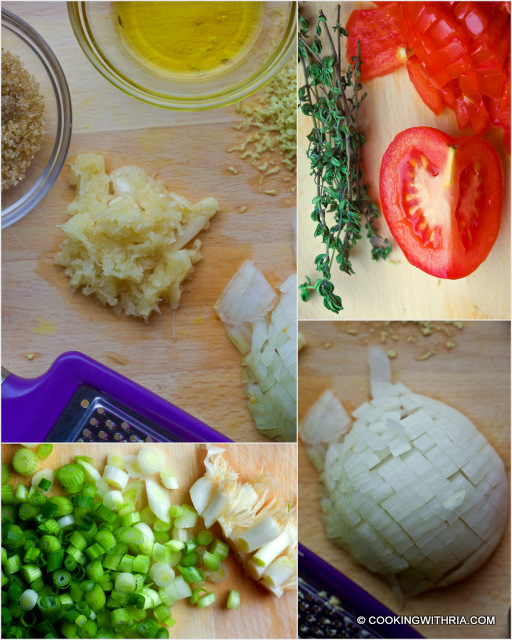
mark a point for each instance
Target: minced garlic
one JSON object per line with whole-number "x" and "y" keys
{"x": 126, "y": 237}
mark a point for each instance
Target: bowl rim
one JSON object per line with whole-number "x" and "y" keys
{"x": 50, "y": 63}
{"x": 231, "y": 95}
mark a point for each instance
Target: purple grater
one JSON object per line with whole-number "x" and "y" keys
{"x": 330, "y": 605}
{"x": 80, "y": 400}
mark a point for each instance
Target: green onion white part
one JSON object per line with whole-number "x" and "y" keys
{"x": 150, "y": 460}
{"x": 169, "y": 479}
{"x": 159, "y": 500}
{"x": 269, "y": 347}
{"x": 115, "y": 477}
{"x": 43, "y": 473}
{"x": 257, "y": 524}
{"x": 413, "y": 491}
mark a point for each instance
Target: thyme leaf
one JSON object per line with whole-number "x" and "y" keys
{"x": 342, "y": 206}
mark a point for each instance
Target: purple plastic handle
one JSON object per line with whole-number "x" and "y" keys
{"x": 353, "y": 597}
{"x": 31, "y": 407}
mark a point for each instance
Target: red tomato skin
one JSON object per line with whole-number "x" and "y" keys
{"x": 456, "y": 261}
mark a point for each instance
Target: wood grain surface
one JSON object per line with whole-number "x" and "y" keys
{"x": 261, "y": 615}
{"x": 393, "y": 289}
{"x": 474, "y": 377}
{"x": 185, "y": 356}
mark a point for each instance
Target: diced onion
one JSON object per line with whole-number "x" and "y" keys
{"x": 414, "y": 491}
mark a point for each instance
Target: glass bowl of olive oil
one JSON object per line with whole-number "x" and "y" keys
{"x": 188, "y": 56}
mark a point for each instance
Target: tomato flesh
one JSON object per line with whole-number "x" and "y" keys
{"x": 442, "y": 199}
{"x": 382, "y": 49}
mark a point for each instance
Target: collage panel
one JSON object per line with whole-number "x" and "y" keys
{"x": 404, "y": 476}
{"x": 404, "y": 176}
{"x": 224, "y": 435}
{"x": 161, "y": 212}
{"x": 186, "y": 541}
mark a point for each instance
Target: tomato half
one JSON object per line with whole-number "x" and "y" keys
{"x": 442, "y": 199}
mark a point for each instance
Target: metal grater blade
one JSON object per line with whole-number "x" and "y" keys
{"x": 94, "y": 417}
{"x": 322, "y": 615}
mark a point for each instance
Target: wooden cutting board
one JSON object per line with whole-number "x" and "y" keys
{"x": 393, "y": 289}
{"x": 261, "y": 614}
{"x": 184, "y": 356}
{"x": 474, "y": 377}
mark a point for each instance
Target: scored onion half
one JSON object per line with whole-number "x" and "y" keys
{"x": 413, "y": 491}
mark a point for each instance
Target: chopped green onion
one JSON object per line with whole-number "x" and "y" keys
{"x": 206, "y": 601}
{"x": 96, "y": 598}
{"x": 8, "y": 494}
{"x": 44, "y": 450}
{"x": 147, "y": 516}
{"x": 211, "y": 561}
{"x": 125, "y": 583}
{"x": 120, "y": 620}
{"x": 191, "y": 559}
{"x": 175, "y": 545}
{"x": 141, "y": 564}
{"x": 204, "y": 538}
{"x": 190, "y": 574}
{"x": 6, "y": 472}
{"x": 115, "y": 460}
{"x": 115, "y": 477}
{"x": 150, "y": 460}
{"x": 12, "y": 564}
{"x": 187, "y": 519}
{"x": 130, "y": 518}
{"x": 21, "y": 493}
{"x": 94, "y": 551}
{"x": 147, "y": 628}
{"x": 71, "y": 476}
{"x": 94, "y": 570}
{"x": 161, "y": 574}
{"x": 25, "y": 462}
{"x": 61, "y": 578}
{"x": 175, "y": 511}
{"x": 233, "y": 600}
{"x": 130, "y": 535}
{"x": 50, "y": 543}
{"x": 220, "y": 549}
{"x": 126, "y": 563}
{"x": 64, "y": 505}
{"x": 54, "y": 560}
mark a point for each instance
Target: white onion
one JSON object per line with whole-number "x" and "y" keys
{"x": 414, "y": 491}
{"x": 269, "y": 347}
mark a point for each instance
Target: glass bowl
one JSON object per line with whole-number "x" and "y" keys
{"x": 94, "y": 25}
{"x": 19, "y": 38}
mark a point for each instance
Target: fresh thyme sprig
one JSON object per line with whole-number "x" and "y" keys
{"x": 332, "y": 101}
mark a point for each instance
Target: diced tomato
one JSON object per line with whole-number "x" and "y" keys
{"x": 499, "y": 109}
{"x": 442, "y": 198}
{"x": 424, "y": 47}
{"x": 457, "y": 54}
{"x": 491, "y": 84}
{"x": 468, "y": 82}
{"x": 449, "y": 93}
{"x": 382, "y": 47}
{"x": 461, "y": 10}
{"x": 480, "y": 121}
{"x": 422, "y": 14}
{"x": 478, "y": 18}
{"x": 454, "y": 69}
{"x": 427, "y": 92}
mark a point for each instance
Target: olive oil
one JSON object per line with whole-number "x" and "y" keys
{"x": 192, "y": 38}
